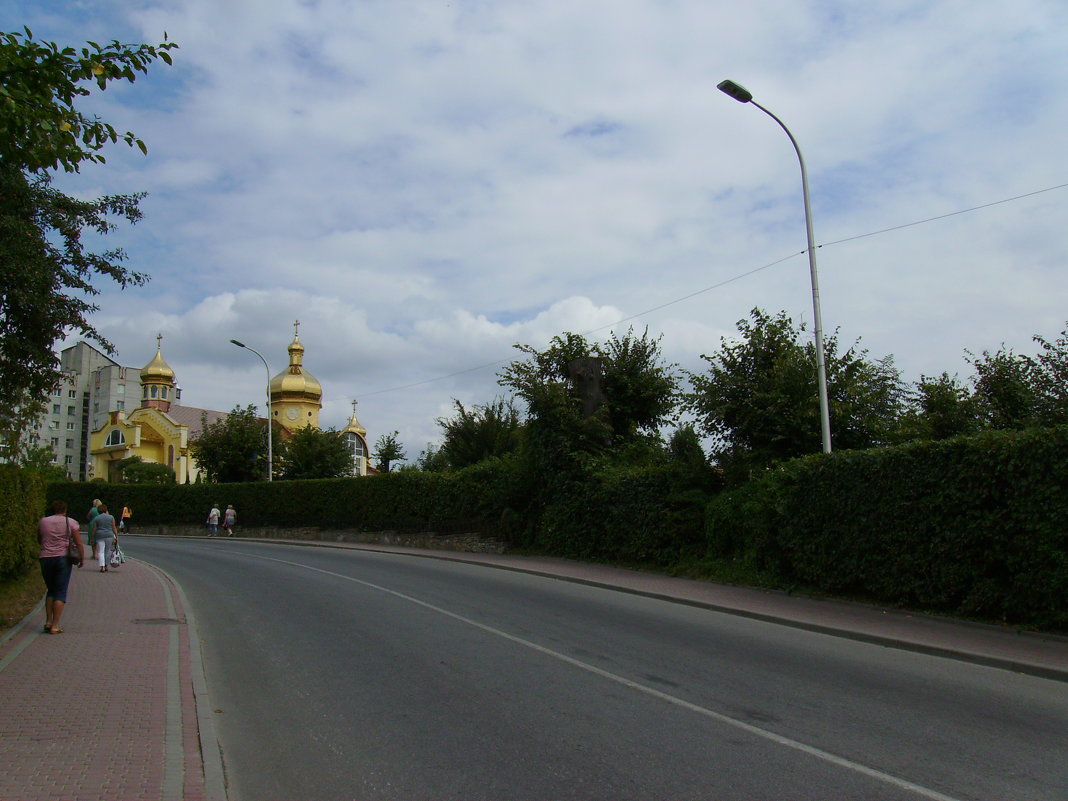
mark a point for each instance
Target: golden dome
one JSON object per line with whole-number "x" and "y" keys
{"x": 295, "y": 380}
{"x": 298, "y": 382}
{"x": 157, "y": 369}
{"x": 354, "y": 426}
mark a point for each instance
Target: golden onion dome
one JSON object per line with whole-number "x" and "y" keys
{"x": 354, "y": 426}
{"x": 295, "y": 380}
{"x": 298, "y": 382}
{"x": 157, "y": 369}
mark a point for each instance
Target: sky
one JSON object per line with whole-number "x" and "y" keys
{"x": 425, "y": 184}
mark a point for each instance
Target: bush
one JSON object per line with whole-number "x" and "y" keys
{"x": 22, "y": 494}
{"x": 971, "y": 525}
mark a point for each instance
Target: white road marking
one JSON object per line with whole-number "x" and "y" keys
{"x": 779, "y": 739}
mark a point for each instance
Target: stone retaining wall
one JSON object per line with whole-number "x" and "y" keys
{"x": 470, "y": 543}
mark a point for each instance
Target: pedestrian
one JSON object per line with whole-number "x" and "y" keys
{"x": 229, "y": 520}
{"x": 127, "y": 513}
{"x": 105, "y": 534}
{"x": 55, "y": 533}
{"x": 213, "y": 520}
{"x": 94, "y": 510}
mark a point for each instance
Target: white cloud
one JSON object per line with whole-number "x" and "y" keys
{"x": 425, "y": 184}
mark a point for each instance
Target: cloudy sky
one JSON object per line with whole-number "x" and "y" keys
{"x": 425, "y": 183}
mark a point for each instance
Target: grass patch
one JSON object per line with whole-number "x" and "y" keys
{"x": 18, "y": 596}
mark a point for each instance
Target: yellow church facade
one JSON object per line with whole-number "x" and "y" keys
{"x": 161, "y": 430}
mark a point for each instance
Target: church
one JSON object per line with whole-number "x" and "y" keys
{"x": 161, "y": 429}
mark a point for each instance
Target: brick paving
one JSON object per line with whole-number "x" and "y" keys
{"x": 108, "y": 709}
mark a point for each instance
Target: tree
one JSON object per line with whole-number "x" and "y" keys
{"x": 475, "y": 434}
{"x": 594, "y": 396}
{"x": 314, "y": 453}
{"x": 233, "y": 448}
{"x": 42, "y": 460}
{"x": 135, "y": 470}
{"x": 388, "y": 450}
{"x": 759, "y": 403}
{"x": 1006, "y": 390}
{"x": 47, "y": 270}
{"x": 940, "y": 408}
{"x": 1050, "y": 371}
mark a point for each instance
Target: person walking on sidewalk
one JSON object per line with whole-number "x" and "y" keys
{"x": 213, "y": 520}
{"x": 127, "y": 515}
{"x": 104, "y": 532}
{"x": 94, "y": 510}
{"x": 229, "y": 520}
{"x": 54, "y": 533}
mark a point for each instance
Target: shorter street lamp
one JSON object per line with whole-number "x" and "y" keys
{"x": 743, "y": 95}
{"x": 267, "y": 408}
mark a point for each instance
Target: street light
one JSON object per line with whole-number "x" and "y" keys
{"x": 743, "y": 95}
{"x": 267, "y": 408}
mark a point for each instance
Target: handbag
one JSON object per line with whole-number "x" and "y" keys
{"x": 74, "y": 553}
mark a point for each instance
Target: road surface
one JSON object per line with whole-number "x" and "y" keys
{"x": 348, "y": 674}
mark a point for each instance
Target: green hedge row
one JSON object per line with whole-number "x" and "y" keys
{"x": 973, "y": 525}
{"x": 473, "y": 500}
{"x": 22, "y": 496}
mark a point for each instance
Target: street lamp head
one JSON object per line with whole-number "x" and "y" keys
{"x": 239, "y": 344}
{"x": 737, "y": 91}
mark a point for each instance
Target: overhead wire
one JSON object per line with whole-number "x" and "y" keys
{"x": 726, "y": 281}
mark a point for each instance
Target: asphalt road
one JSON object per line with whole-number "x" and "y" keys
{"x": 345, "y": 674}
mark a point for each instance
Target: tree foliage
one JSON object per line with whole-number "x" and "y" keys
{"x": 759, "y": 401}
{"x": 41, "y": 128}
{"x": 478, "y": 433}
{"x": 135, "y": 470}
{"x": 47, "y": 270}
{"x": 940, "y": 408}
{"x": 388, "y": 450}
{"x": 1005, "y": 389}
{"x": 233, "y": 448}
{"x": 314, "y": 453}
{"x": 47, "y": 275}
{"x": 634, "y": 393}
{"x": 42, "y": 460}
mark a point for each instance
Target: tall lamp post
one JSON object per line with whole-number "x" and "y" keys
{"x": 267, "y": 408}
{"x": 743, "y": 95}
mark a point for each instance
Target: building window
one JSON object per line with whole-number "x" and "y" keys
{"x": 163, "y": 393}
{"x": 115, "y": 438}
{"x": 55, "y": 408}
{"x": 120, "y": 405}
{"x": 53, "y": 423}
{"x": 70, "y": 442}
{"x": 70, "y": 426}
{"x": 68, "y": 460}
{"x": 72, "y": 393}
{"x": 120, "y": 389}
{"x": 144, "y": 391}
{"x": 155, "y": 391}
{"x": 55, "y": 442}
{"x": 70, "y": 411}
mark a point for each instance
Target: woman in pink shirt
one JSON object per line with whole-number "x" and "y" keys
{"x": 54, "y": 533}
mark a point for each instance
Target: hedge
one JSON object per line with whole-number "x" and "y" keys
{"x": 976, "y": 526}
{"x": 22, "y": 496}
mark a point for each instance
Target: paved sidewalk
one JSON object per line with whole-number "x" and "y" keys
{"x": 109, "y": 708}
{"x": 116, "y": 706}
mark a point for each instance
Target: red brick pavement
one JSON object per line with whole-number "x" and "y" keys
{"x": 108, "y": 709}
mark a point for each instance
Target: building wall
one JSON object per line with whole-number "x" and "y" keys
{"x": 92, "y": 384}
